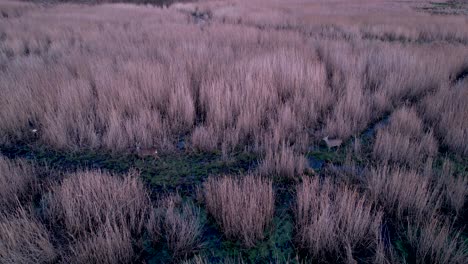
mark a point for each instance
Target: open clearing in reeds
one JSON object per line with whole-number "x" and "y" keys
{"x": 194, "y": 132}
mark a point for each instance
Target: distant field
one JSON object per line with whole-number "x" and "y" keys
{"x": 194, "y": 131}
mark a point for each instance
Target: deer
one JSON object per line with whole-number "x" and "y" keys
{"x": 34, "y": 133}
{"x": 331, "y": 143}
{"x": 146, "y": 152}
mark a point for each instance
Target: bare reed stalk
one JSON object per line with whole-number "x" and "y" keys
{"x": 242, "y": 207}
{"x": 17, "y": 181}
{"x": 110, "y": 245}
{"x": 91, "y": 200}
{"x": 404, "y": 193}
{"x": 24, "y": 239}
{"x": 404, "y": 141}
{"x": 455, "y": 187}
{"x": 334, "y": 221}
{"x": 263, "y": 81}
{"x": 436, "y": 241}
{"x": 181, "y": 225}
{"x": 283, "y": 163}
{"x": 446, "y": 112}
{"x": 153, "y": 225}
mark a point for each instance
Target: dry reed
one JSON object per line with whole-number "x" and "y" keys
{"x": 436, "y": 241}
{"x": 262, "y": 84}
{"x": 403, "y": 140}
{"x": 24, "y": 239}
{"x": 404, "y": 193}
{"x": 181, "y": 226}
{"x": 17, "y": 182}
{"x": 87, "y": 201}
{"x": 242, "y": 207}
{"x": 110, "y": 245}
{"x": 335, "y": 221}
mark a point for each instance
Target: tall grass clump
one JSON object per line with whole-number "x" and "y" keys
{"x": 334, "y": 222}
{"x": 454, "y": 187}
{"x": 182, "y": 226}
{"x": 404, "y": 193}
{"x": 23, "y": 239}
{"x": 283, "y": 163}
{"x": 243, "y": 207}
{"x": 179, "y": 223}
{"x": 403, "y": 140}
{"x": 111, "y": 244}
{"x": 436, "y": 241}
{"x": 87, "y": 201}
{"x": 17, "y": 182}
{"x": 446, "y": 111}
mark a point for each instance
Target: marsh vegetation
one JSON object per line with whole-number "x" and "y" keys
{"x": 193, "y": 132}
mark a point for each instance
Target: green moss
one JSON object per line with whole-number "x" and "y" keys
{"x": 401, "y": 248}
{"x": 459, "y": 163}
{"x": 333, "y": 156}
{"x": 184, "y": 170}
{"x": 276, "y": 245}
{"x": 171, "y": 171}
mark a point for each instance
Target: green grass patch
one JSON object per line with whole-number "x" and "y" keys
{"x": 170, "y": 171}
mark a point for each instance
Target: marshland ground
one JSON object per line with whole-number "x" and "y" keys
{"x": 235, "y": 96}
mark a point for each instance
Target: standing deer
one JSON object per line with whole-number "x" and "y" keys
{"x": 331, "y": 143}
{"x": 146, "y": 152}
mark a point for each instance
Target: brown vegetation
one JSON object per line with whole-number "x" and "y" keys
{"x": 268, "y": 78}
{"x": 111, "y": 244}
{"x": 435, "y": 241}
{"x": 87, "y": 201}
{"x": 335, "y": 221}
{"x": 24, "y": 239}
{"x": 446, "y": 111}
{"x": 262, "y": 88}
{"x": 181, "y": 225}
{"x": 283, "y": 163}
{"x": 153, "y": 226}
{"x": 17, "y": 180}
{"x": 455, "y": 187}
{"x": 242, "y": 207}
{"x": 404, "y": 193}
{"x": 99, "y": 217}
{"x": 101, "y": 214}
{"x": 404, "y": 141}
